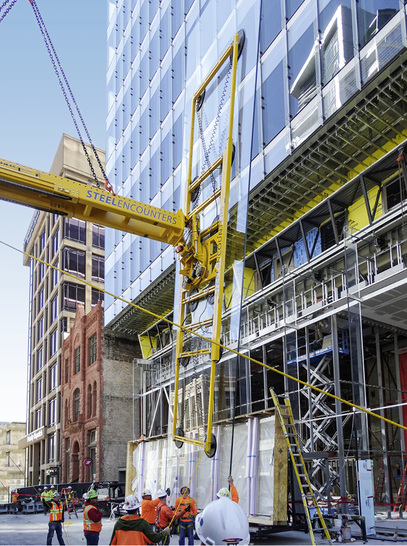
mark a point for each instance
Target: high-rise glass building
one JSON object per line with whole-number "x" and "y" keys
{"x": 317, "y": 235}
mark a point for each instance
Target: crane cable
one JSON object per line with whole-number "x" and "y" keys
{"x": 4, "y": 4}
{"x": 67, "y": 92}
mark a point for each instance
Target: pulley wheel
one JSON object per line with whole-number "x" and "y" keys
{"x": 199, "y": 101}
{"x": 178, "y": 443}
{"x": 212, "y": 450}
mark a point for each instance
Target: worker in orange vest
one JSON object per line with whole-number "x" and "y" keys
{"x": 92, "y": 518}
{"x": 14, "y": 498}
{"x": 186, "y": 523}
{"x": 148, "y": 507}
{"x": 231, "y": 493}
{"x": 56, "y": 517}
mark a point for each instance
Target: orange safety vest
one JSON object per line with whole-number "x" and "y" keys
{"x": 88, "y": 524}
{"x": 186, "y": 502}
{"x": 56, "y": 512}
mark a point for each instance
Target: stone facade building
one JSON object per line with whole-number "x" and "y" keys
{"x": 12, "y": 458}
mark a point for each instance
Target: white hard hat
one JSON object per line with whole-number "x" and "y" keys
{"x": 45, "y": 488}
{"x": 224, "y": 492}
{"x": 161, "y": 493}
{"x": 223, "y": 522}
{"x": 131, "y": 503}
{"x": 145, "y": 492}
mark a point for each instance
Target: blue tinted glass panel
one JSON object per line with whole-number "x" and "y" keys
{"x": 166, "y": 103}
{"x": 166, "y": 157}
{"x": 177, "y": 141}
{"x": 292, "y": 6}
{"x": 273, "y": 104}
{"x": 177, "y": 14}
{"x": 271, "y": 22}
{"x": 154, "y": 60}
{"x": 165, "y": 32}
{"x": 372, "y": 16}
{"x": 178, "y": 73}
{"x": 144, "y": 81}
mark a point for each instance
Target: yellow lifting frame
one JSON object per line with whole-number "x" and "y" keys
{"x": 220, "y": 238}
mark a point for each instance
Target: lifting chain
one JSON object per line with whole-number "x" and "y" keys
{"x": 207, "y": 149}
{"x": 8, "y": 9}
{"x": 60, "y": 72}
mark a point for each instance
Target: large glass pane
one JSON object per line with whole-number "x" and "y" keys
{"x": 336, "y": 36}
{"x": 273, "y": 94}
{"x": 271, "y": 23}
{"x": 372, "y": 16}
{"x": 302, "y": 59}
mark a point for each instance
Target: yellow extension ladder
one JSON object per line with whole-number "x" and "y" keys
{"x": 309, "y": 500}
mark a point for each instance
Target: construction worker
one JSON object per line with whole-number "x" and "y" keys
{"x": 45, "y": 497}
{"x": 132, "y": 529}
{"x": 148, "y": 507}
{"x": 14, "y": 499}
{"x": 56, "y": 517}
{"x": 223, "y": 522}
{"x": 186, "y": 504}
{"x": 230, "y": 493}
{"x": 164, "y": 514}
{"x": 92, "y": 518}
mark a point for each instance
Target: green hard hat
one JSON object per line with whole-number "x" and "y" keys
{"x": 92, "y": 494}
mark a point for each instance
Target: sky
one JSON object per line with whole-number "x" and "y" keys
{"x": 33, "y": 117}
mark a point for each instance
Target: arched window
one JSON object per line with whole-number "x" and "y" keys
{"x": 76, "y": 404}
{"x": 90, "y": 398}
{"x": 94, "y": 401}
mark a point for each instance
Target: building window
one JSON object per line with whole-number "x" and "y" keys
{"x": 41, "y": 271}
{"x": 38, "y": 418}
{"x": 54, "y": 276}
{"x": 74, "y": 261}
{"x": 55, "y": 242}
{"x": 67, "y": 458}
{"x": 8, "y": 437}
{"x": 39, "y": 390}
{"x": 8, "y": 458}
{"x": 94, "y": 398}
{"x": 39, "y": 359}
{"x": 97, "y": 295}
{"x": 53, "y": 345}
{"x": 98, "y": 236}
{"x": 75, "y": 230}
{"x": 54, "y": 309}
{"x": 40, "y": 299}
{"x": 51, "y": 448}
{"x": 42, "y": 241}
{"x": 40, "y": 329}
{"x": 76, "y": 404}
{"x": 92, "y": 349}
{"x": 66, "y": 370}
{"x": 92, "y": 453}
{"x": 52, "y": 377}
{"x": 77, "y": 360}
{"x": 72, "y": 294}
{"x": 52, "y": 411}
{"x": 90, "y": 400}
{"x": 98, "y": 268}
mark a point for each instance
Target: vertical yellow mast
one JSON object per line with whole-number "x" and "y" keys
{"x": 209, "y": 246}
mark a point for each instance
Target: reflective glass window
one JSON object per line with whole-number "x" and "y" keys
{"x": 302, "y": 59}
{"x": 143, "y": 19}
{"x": 154, "y": 60}
{"x": 155, "y": 172}
{"x": 272, "y": 94}
{"x": 166, "y": 158}
{"x": 165, "y": 32}
{"x": 155, "y": 112}
{"x": 292, "y": 6}
{"x": 271, "y": 23}
{"x": 144, "y": 81}
{"x": 177, "y": 141}
{"x": 178, "y": 64}
{"x": 165, "y": 103}
{"x": 144, "y": 126}
{"x": 336, "y": 36}
{"x": 75, "y": 230}
{"x": 372, "y": 16}
{"x": 153, "y": 7}
{"x": 135, "y": 92}
{"x": 177, "y": 15}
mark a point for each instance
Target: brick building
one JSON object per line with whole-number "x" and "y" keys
{"x": 97, "y": 400}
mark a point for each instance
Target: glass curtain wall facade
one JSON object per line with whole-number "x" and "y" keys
{"x": 319, "y": 157}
